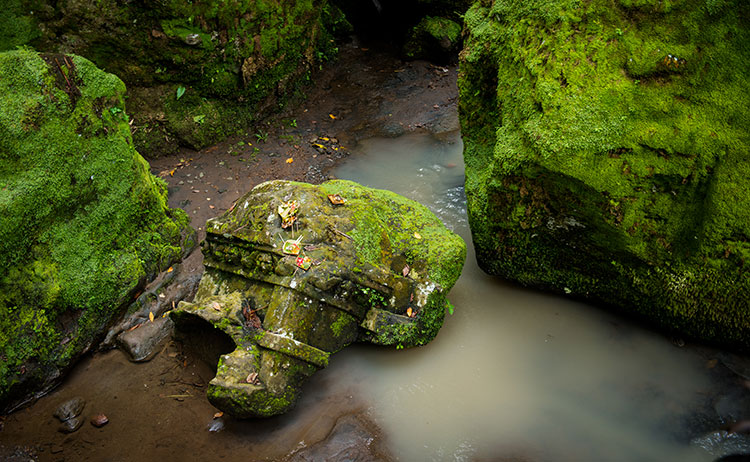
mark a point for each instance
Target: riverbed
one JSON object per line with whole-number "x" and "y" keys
{"x": 514, "y": 375}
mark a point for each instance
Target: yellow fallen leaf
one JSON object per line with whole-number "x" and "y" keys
{"x": 218, "y": 414}
{"x": 289, "y": 160}
{"x": 151, "y": 316}
{"x": 171, "y": 172}
{"x": 417, "y": 235}
{"x": 408, "y": 312}
{"x": 332, "y": 116}
{"x": 319, "y": 146}
{"x": 324, "y": 138}
{"x": 170, "y": 269}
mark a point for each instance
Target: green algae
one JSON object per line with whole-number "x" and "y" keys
{"x": 606, "y": 148}
{"x": 84, "y": 223}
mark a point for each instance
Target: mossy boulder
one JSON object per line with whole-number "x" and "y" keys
{"x": 608, "y": 154}
{"x": 434, "y": 38}
{"x": 376, "y": 268}
{"x": 83, "y": 224}
{"x": 234, "y": 59}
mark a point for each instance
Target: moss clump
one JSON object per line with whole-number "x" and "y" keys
{"x": 607, "y": 151}
{"x": 247, "y": 54}
{"x": 434, "y": 38}
{"x": 83, "y": 222}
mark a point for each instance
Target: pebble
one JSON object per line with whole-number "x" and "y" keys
{"x": 99, "y": 420}
{"x": 70, "y": 425}
{"x": 216, "y": 425}
{"x": 70, "y": 408}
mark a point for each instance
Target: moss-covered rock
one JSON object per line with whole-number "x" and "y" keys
{"x": 250, "y": 54}
{"x": 375, "y": 268}
{"x": 607, "y": 154}
{"x": 435, "y": 39}
{"x": 83, "y": 224}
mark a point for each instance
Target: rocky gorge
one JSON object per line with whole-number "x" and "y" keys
{"x": 587, "y": 174}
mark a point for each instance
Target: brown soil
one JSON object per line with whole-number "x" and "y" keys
{"x": 158, "y": 410}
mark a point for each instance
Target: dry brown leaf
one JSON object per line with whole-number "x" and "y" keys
{"x": 218, "y": 414}
{"x": 406, "y": 270}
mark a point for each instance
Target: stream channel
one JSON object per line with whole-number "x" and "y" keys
{"x": 519, "y": 375}
{"x": 514, "y": 374}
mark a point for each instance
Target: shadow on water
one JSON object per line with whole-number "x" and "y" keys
{"x": 520, "y": 375}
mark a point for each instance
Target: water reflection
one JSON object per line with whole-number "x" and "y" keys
{"x": 514, "y": 374}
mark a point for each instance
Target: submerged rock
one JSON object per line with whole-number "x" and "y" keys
{"x": 292, "y": 277}
{"x": 70, "y": 408}
{"x": 83, "y": 225}
{"x": 607, "y": 155}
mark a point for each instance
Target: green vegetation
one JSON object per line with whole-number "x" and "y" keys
{"x": 607, "y": 154}
{"x": 248, "y": 55}
{"x": 83, "y": 222}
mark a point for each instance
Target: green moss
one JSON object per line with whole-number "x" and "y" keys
{"x": 606, "y": 146}
{"x": 434, "y": 38}
{"x": 84, "y": 223}
{"x": 238, "y": 58}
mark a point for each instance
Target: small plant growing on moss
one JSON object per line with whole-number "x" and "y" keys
{"x": 262, "y": 135}
{"x": 180, "y": 91}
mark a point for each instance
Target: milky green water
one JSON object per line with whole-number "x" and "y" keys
{"x": 515, "y": 374}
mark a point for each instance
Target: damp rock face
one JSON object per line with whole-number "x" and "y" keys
{"x": 83, "y": 224}
{"x": 607, "y": 155}
{"x": 374, "y": 268}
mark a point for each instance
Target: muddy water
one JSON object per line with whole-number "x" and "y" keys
{"x": 518, "y": 375}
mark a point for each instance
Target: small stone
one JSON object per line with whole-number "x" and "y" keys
{"x": 99, "y": 420}
{"x": 70, "y": 425}
{"x": 70, "y": 408}
{"x": 193, "y": 39}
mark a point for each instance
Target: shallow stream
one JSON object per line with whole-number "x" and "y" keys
{"x": 514, "y": 375}
{"x": 519, "y": 375}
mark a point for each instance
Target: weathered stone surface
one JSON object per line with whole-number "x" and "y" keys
{"x": 83, "y": 224}
{"x": 70, "y": 408}
{"x": 608, "y": 157}
{"x": 143, "y": 342}
{"x": 374, "y": 261}
{"x": 351, "y": 439}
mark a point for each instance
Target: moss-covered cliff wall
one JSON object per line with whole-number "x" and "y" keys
{"x": 608, "y": 154}
{"x": 83, "y": 224}
{"x": 231, "y": 58}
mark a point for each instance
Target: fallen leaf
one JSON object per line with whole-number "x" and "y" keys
{"x": 170, "y": 269}
{"x": 417, "y": 235}
{"x": 218, "y": 414}
{"x": 151, "y": 316}
{"x": 289, "y": 160}
{"x": 332, "y": 116}
{"x": 409, "y": 312}
{"x": 171, "y": 172}
{"x": 216, "y": 306}
{"x": 252, "y": 378}
{"x": 406, "y": 270}
{"x": 324, "y": 138}
{"x": 211, "y": 207}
